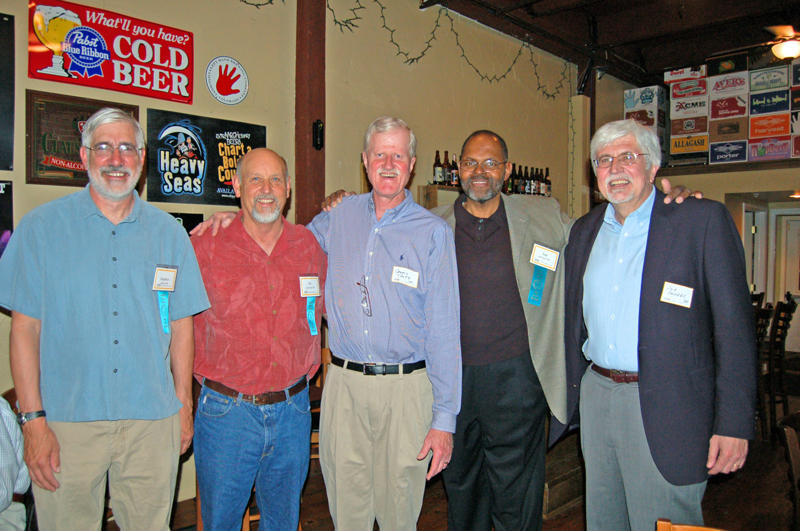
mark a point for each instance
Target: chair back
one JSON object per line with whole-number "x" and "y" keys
{"x": 762, "y": 317}
{"x": 757, "y": 299}
{"x": 664, "y": 524}
{"x": 781, "y": 319}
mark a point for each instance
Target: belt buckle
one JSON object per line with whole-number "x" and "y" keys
{"x": 374, "y": 369}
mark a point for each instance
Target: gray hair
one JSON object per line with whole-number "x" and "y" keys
{"x": 389, "y": 123}
{"x": 644, "y": 136}
{"x": 109, "y": 115}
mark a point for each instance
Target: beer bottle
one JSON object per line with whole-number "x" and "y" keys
{"x": 437, "y": 170}
{"x": 548, "y": 186}
{"x": 446, "y": 169}
{"x": 454, "y": 180}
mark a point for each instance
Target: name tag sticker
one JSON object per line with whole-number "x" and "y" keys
{"x": 677, "y": 294}
{"x": 309, "y": 287}
{"x": 164, "y": 279}
{"x": 542, "y": 256}
{"x": 405, "y": 276}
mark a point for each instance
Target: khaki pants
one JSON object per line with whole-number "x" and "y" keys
{"x": 371, "y": 430}
{"x": 140, "y": 460}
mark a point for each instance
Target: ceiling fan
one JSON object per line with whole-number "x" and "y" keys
{"x": 786, "y": 43}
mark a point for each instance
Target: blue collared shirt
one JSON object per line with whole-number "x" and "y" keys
{"x": 407, "y": 263}
{"x": 612, "y": 284}
{"x": 103, "y": 353}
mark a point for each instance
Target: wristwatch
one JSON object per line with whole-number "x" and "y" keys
{"x": 22, "y": 418}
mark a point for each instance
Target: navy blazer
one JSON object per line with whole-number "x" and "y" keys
{"x": 697, "y": 365}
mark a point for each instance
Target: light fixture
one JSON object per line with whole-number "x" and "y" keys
{"x": 786, "y": 49}
{"x": 795, "y": 194}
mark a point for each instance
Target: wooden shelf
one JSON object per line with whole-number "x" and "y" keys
{"x": 694, "y": 169}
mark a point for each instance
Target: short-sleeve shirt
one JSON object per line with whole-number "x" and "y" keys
{"x": 103, "y": 351}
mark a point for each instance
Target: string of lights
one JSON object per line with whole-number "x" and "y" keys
{"x": 260, "y": 3}
{"x": 571, "y": 198}
{"x": 351, "y": 22}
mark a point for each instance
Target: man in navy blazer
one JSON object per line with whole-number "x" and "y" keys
{"x": 657, "y": 305}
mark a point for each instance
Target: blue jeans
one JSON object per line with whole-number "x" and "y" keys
{"x": 237, "y": 444}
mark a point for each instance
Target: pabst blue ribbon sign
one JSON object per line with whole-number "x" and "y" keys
{"x": 93, "y": 47}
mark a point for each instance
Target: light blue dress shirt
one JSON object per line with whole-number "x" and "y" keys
{"x": 411, "y": 318}
{"x": 612, "y": 285}
{"x": 103, "y": 353}
{"x": 14, "y": 476}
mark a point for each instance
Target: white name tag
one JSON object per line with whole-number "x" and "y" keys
{"x": 164, "y": 279}
{"x": 542, "y": 256}
{"x": 405, "y": 276}
{"x": 309, "y": 286}
{"x": 677, "y": 294}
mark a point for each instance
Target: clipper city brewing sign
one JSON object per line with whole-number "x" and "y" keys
{"x": 93, "y": 47}
{"x": 192, "y": 159}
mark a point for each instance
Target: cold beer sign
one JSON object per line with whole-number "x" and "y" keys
{"x": 93, "y": 47}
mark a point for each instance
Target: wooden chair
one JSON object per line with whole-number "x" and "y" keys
{"x": 315, "y": 397}
{"x": 762, "y": 318}
{"x": 773, "y": 357}
{"x": 789, "y": 428}
{"x": 665, "y": 525}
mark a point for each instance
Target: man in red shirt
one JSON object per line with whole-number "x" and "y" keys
{"x": 255, "y": 350}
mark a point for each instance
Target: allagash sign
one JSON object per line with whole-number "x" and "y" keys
{"x": 93, "y": 47}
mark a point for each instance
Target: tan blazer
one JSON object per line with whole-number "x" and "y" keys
{"x": 531, "y": 220}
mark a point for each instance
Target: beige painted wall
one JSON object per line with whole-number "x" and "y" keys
{"x": 608, "y": 97}
{"x": 440, "y": 96}
{"x": 262, "y": 40}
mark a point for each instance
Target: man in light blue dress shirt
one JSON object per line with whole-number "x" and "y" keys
{"x": 657, "y": 302}
{"x": 392, "y": 394}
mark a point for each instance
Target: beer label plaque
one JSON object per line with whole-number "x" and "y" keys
{"x": 82, "y": 45}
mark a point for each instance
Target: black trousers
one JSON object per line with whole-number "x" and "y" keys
{"x": 496, "y": 475}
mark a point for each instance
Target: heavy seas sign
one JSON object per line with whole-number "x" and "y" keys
{"x": 93, "y": 47}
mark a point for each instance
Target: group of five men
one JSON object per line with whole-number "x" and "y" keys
{"x": 447, "y": 330}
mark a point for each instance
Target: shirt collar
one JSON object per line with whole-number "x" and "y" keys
{"x": 87, "y": 206}
{"x": 638, "y": 217}
{"x": 394, "y": 212}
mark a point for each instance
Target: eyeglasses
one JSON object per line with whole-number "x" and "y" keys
{"x": 488, "y": 164}
{"x": 105, "y": 150}
{"x": 625, "y": 159}
{"x": 365, "y": 304}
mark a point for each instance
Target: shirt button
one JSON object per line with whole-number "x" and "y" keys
{"x": 612, "y": 316}
{"x": 116, "y": 341}
{"x": 113, "y": 285}
{"x": 366, "y": 331}
{"x": 611, "y": 347}
{"x": 115, "y": 314}
{"x": 115, "y": 371}
{"x": 620, "y": 260}
{"x": 274, "y": 312}
{"x": 370, "y": 253}
{"x": 113, "y": 233}
{"x": 113, "y": 258}
{"x": 616, "y": 288}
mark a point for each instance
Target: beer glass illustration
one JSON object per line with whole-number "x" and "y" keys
{"x": 51, "y": 24}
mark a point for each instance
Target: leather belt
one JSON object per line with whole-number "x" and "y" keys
{"x": 262, "y": 399}
{"x": 20, "y": 498}
{"x": 615, "y": 375}
{"x": 373, "y": 369}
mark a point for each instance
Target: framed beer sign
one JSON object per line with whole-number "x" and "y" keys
{"x": 53, "y": 136}
{"x": 82, "y": 45}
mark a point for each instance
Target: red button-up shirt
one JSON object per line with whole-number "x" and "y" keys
{"x": 256, "y": 336}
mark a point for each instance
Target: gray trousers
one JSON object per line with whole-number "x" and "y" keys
{"x": 624, "y": 489}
